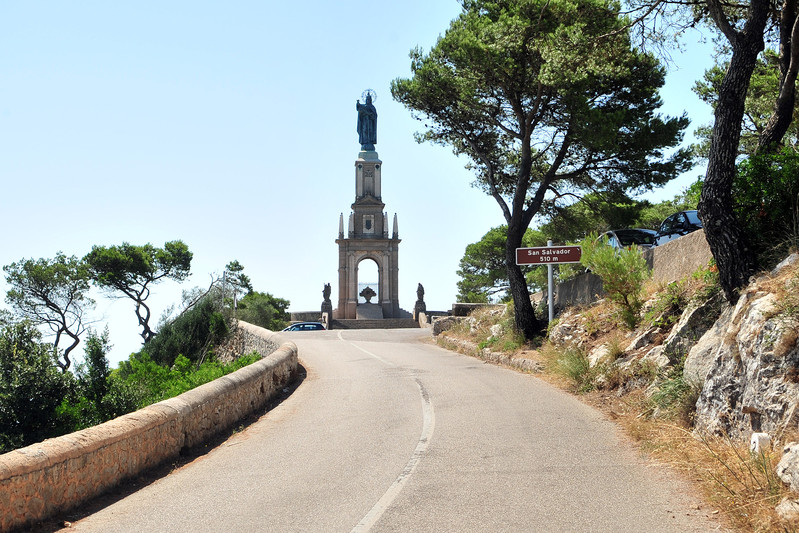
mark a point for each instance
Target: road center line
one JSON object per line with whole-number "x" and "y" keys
{"x": 389, "y": 363}
{"x": 394, "y": 490}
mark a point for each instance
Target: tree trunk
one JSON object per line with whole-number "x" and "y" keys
{"x": 782, "y": 116}
{"x": 525, "y": 319}
{"x": 727, "y": 241}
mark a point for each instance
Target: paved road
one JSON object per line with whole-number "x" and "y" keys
{"x": 389, "y": 433}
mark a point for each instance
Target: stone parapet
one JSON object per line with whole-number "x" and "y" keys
{"x": 58, "y": 474}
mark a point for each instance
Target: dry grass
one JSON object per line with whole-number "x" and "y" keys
{"x": 742, "y": 486}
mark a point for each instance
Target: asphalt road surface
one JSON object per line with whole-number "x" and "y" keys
{"x": 389, "y": 433}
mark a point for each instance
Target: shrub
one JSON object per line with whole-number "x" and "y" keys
{"x": 623, "y": 274}
{"x": 263, "y": 309}
{"x": 668, "y": 305}
{"x": 192, "y": 334}
{"x": 766, "y": 195}
{"x": 32, "y": 389}
{"x": 676, "y": 397}
{"x": 146, "y": 382}
{"x": 573, "y": 363}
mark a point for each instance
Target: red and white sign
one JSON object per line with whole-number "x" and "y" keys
{"x": 547, "y": 255}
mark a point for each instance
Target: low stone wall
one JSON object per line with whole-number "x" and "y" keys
{"x": 679, "y": 258}
{"x": 581, "y": 290}
{"x": 58, "y": 474}
{"x": 669, "y": 262}
{"x": 464, "y": 309}
{"x": 306, "y": 316}
{"x": 248, "y": 338}
{"x": 426, "y": 318}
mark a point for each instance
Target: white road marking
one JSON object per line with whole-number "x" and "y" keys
{"x": 389, "y": 363}
{"x": 394, "y": 490}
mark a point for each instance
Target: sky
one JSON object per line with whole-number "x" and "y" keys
{"x": 231, "y": 126}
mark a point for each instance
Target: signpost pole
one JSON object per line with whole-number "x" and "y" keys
{"x": 548, "y": 256}
{"x": 550, "y": 286}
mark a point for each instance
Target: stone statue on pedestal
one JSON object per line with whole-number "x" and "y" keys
{"x": 420, "y": 306}
{"x": 367, "y": 122}
{"x": 327, "y": 305}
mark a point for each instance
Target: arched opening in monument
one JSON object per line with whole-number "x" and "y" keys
{"x": 368, "y": 277}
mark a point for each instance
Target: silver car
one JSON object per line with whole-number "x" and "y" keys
{"x": 624, "y": 238}
{"x": 677, "y": 225}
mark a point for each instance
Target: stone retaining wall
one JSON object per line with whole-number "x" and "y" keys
{"x": 58, "y": 474}
{"x": 247, "y": 338}
{"x": 669, "y": 262}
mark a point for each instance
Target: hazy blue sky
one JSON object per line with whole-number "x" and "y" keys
{"x": 231, "y": 126}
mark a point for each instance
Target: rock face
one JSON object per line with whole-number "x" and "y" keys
{"x": 788, "y": 467}
{"x": 751, "y": 366}
{"x": 743, "y": 358}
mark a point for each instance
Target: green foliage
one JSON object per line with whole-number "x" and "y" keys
{"x": 759, "y": 105}
{"x": 31, "y": 388}
{"x": 132, "y": 270}
{"x": 623, "y": 274}
{"x": 94, "y": 372}
{"x": 52, "y": 293}
{"x": 674, "y": 396}
{"x": 263, "y": 309}
{"x": 708, "y": 277}
{"x": 596, "y": 211}
{"x": 766, "y": 203}
{"x": 151, "y": 382}
{"x": 484, "y": 276}
{"x": 573, "y": 364}
{"x": 237, "y": 280}
{"x": 192, "y": 333}
{"x": 668, "y": 305}
{"x": 651, "y": 215}
{"x": 543, "y": 97}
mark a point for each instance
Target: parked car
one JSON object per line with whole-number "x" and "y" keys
{"x": 624, "y": 238}
{"x": 305, "y": 326}
{"x": 677, "y": 225}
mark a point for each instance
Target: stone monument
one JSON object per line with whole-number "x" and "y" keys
{"x": 327, "y": 305}
{"x": 367, "y": 237}
{"x": 420, "y": 306}
{"x": 367, "y": 122}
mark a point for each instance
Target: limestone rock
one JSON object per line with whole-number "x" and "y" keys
{"x": 788, "y": 467}
{"x": 598, "y": 354}
{"x": 702, "y": 355}
{"x": 788, "y": 509}
{"x": 657, "y": 356}
{"x": 759, "y": 443}
{"x": 751, "y": 359}
{"x": 643, "y": 339}
{"x": 692, "y": 325}
{"x": 496, "y": 331}
{"x": 442, "y": 324}
{"x": 568, "y": 330}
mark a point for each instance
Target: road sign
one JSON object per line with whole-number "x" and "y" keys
{"x": 548, "y": 255}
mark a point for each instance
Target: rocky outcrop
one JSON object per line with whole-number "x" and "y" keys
{"x": 788, "y": 467}
{"x": 750, "y": 361}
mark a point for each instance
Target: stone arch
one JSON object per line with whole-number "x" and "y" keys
{"x": 384, "y": 253}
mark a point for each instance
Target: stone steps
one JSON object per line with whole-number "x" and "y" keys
{"x": 386, "y": 323}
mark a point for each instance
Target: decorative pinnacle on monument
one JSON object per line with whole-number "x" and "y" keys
{"x": 367, "y": 121}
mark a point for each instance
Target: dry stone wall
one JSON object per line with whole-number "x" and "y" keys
{"x": 57, "y": 474}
